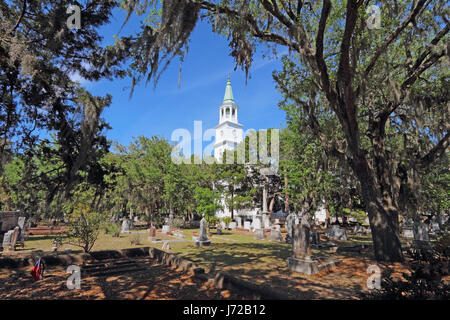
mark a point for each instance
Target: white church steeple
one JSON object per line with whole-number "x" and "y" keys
{"x": 229, "y": 130}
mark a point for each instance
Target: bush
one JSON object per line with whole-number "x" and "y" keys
{"x": 84, "y": 226}
{"x": 227, "y": 220}
{"x": 113, "y": 229}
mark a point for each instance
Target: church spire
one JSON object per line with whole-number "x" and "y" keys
{"x": 228, "y": 92}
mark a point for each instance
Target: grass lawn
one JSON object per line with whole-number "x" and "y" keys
{"x": 259, "y": 261}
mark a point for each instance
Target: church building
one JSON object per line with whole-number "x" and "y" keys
{"x": 229, "y": 131}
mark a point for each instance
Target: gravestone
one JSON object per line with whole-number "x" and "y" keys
{"x": 232, "y": 225}
{"x": 259, "y": 234}
{"x": 21, "y": 224}
{"x": 239, "y": 222}
{"x": 408, "y": 233}
{"x": 223, "y": 225}
{"x": 276, "y": 226}
{"x": 421, "y": 232}
{"x": 290, "y": 219}
{"x": 15, "y": 237}
{"x": 421, "y": 237}
{"x": 275, "y": 235}
{"x": 7, "y": 239}
{"x": 358, "y": 229}
{"x": 125, "y": 226}
{"x": 301, "y": 259}
{"x": 152, "y": 234}
{"x": 435, "y": 227}
{"x": 202, "y": 240}
{"x": 337, "y": 233}
{"x": 315, "y": 240}
{"x": 165, "y": 229}
{"x": 166, "y": 246}
{"x": 266, "y": 221}
{"x": 247, "y": 225}
{"x": 257, "y": 222}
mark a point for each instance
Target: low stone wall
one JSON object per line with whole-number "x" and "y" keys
{"x": 224, "y": 281}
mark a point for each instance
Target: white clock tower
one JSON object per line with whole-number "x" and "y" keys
{"x": 229, "y": 130}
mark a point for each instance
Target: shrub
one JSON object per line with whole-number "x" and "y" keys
{"x": 227, "y": 220}
{"x": 113, "y": 229}
{"x": 84, "y": 226}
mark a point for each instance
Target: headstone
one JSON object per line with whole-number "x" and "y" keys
{"x": 239, "y": 222}
{"x": 125, "y": 226}
{"x": 358, "y": 229}
{"x": 289, "y": 227}
{"x": 408, "y": 233}
{"x": 421, "y": 232}
{"x": 259, "y": 234}
{"x": 301, "y": 259}
{"x": 232, "y": 225}
{"x": 275, "y": 235}
{"x": 223, "y": 225}
{"x": 257, "y": 222}
{"x": 7, "y": 239}
{"x": 152, "y": 234}
{"x": 166, "y": 246}
{"x": 247, "y": 225}
{"x": 337, "y": 233}
{"x": 21, "y": 222}
{"x": 202, "y": 240}
{"x": 277, "y": 221}
{"x": 15, "y": 237}
{"x": 315, "y": 240}
{"x": 435, "y": 227}
{"x": 165, "y": 229}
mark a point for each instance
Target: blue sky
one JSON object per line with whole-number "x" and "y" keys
{"x": 161, "y": 110}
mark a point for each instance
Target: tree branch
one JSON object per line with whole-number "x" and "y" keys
{"x": 24, "y": 8}
{"x": 436, "y": 152}
{"x": 393, "y": 36}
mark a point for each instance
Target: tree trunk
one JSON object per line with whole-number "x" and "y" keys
{"x": 382, "y": 216}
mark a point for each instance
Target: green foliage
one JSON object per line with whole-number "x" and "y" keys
{"x": 227, "y": 220}
{"x": 207, "y": 202}
{"x": 84, "y": 226}
{"x": 113, "y": 229}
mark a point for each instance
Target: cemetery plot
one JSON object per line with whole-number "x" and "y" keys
{"x": 151, "y": 282}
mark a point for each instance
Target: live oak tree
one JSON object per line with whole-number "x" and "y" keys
{"x": 377, "y": 83}
{"x": 40, "y": 59}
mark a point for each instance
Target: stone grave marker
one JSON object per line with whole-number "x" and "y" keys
{"x": 315, "y": 240}
{"x": 165, "y": 229}
{"x": 232, "y": 225}
{"x": 125, "y": 226}
{"x": 152, "y": 233}
{"x": 301, "y": 259}
{"x": 239, "y": 222}
{"x": 7, "y": 239}
{"x": 202, "y": 240}
{"x": 275, "y": 235}
{"x": 337, "y": 233}
{"x": 247, "y": 225}
{"x": 421, "y": 237}
{"x": 408, "y": 233}
{"x": 15, "y": 237}
{"x": 290, "y": 219}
